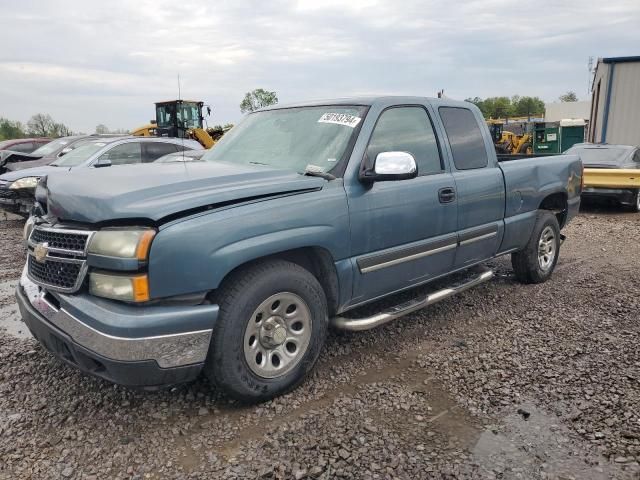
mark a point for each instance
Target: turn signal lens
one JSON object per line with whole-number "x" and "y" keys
{"x": 120, "y": 287}
{"x": 142, "y": 252}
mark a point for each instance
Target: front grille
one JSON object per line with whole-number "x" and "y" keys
{"x": 60, "y": 239}
{"x": 58, "y": 274}
{"x": 63, "y": 261}
{"x": 6, "y": 193}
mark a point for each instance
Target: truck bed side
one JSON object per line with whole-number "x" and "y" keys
{"x": 552, "y": 182}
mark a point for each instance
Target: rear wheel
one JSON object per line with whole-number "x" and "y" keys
{"x": 273, "y": 322}
{"x": 536, "y": 262}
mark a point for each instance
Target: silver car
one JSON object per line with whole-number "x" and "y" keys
{"x": 17, "y": 188}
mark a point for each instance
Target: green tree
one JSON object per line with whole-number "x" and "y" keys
{"x": 528, "y": 106}
{"x": 258, "y": 98}
{"x": 569, "y": 97}
{"x": 11, "y": 129}
{"x": 501, "y": 107}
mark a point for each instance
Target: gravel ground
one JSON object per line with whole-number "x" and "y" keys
{"x": 505, "y": 381}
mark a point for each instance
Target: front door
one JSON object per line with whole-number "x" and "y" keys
{"x": 403, "y": 232}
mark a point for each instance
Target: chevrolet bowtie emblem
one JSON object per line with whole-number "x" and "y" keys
{"x": 40, "y": 252}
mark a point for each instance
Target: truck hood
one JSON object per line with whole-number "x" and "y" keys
{"x": 157, "y": 191}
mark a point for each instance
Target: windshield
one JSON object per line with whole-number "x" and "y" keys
{"x": 79, "y": 155}
{"x": 51, "y": 148}
{"x": 292, "y": 138}
{"x": 187, "y": 115}
{"x": 599, "y": 155}
{"x": 165, "y": 114}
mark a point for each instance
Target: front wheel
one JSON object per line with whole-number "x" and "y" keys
{"x": 273, "y": 322}
{"x": 536, "y": 262}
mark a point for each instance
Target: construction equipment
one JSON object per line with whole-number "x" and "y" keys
{"x": 507, "y": 141}
{"x": 181, "y": 119}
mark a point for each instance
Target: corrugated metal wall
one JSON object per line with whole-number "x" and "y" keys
{"x": 624, "y": 110}
{"x": 598, "y": 99}
{"x": 623, "y": 121}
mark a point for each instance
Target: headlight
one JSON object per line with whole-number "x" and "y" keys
{"x": 26, "y": 182}
{"x": 122, "y": 243}
{"x": 127, "y": 288}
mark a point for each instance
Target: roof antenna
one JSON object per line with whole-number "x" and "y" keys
{"x": 183, "y": 129}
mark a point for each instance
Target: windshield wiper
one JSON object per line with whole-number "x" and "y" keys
{"x": 318, "y": 173}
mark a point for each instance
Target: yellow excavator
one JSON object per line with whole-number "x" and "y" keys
{"x": 507, "y": 141}
{"x": 181, "y": 119}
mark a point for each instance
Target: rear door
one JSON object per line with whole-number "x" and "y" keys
{"x": 479, "y": 185}
{"x": 401, "y": 232}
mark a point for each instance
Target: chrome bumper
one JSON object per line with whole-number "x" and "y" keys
{"x": 168, "y": 351}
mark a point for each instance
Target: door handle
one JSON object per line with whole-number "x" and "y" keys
{"x": 446, "y": 195}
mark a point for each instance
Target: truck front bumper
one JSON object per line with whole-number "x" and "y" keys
{"x": 127, "y": 359}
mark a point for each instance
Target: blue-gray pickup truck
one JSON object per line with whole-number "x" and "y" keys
{"x": 236, "y": 266}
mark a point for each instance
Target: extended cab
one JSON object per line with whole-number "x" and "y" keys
{"x": 237, "y": 265}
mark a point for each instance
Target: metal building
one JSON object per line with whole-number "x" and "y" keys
{"x": 615, "y": 106}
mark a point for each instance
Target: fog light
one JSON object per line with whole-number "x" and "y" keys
{"x": 126, "y": 288}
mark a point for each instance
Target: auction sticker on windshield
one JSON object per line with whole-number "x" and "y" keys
{"x": 340, "y": 119}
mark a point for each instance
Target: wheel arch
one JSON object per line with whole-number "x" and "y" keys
{"x": 315, "y": 259}
{"x": 558, "y": 203}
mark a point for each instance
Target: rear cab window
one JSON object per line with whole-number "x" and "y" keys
{"x": 465, "y": 138}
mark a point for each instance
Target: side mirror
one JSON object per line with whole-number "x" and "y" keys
{"x": 102, "y": 162}
{"x": 208, "y": 111}
{"x": 153, "y": 122}
{"x": 392, "y": 166}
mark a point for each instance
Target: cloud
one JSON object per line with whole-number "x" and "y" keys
{"x": 87, "y": 63}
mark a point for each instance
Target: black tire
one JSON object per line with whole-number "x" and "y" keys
{"x": 526, "y": 264}
{"x": 239, "y": 297}
{"x": 524, "y": 148}
{"x": 635, "y": 206}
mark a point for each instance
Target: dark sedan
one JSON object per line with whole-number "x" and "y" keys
{"x": 612, "y": 157}
{"x": 23, "y": 145}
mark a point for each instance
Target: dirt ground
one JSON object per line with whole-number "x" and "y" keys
{"x": 506, "y": 381}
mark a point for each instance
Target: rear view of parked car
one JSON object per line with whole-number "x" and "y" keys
{"x": 17, "y": 188}
{"x": 610, "y": 157}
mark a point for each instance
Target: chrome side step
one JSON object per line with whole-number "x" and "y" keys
{"x": 397, "y": 311}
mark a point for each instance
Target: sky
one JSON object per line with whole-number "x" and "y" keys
{"x": 87, "y": 63}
